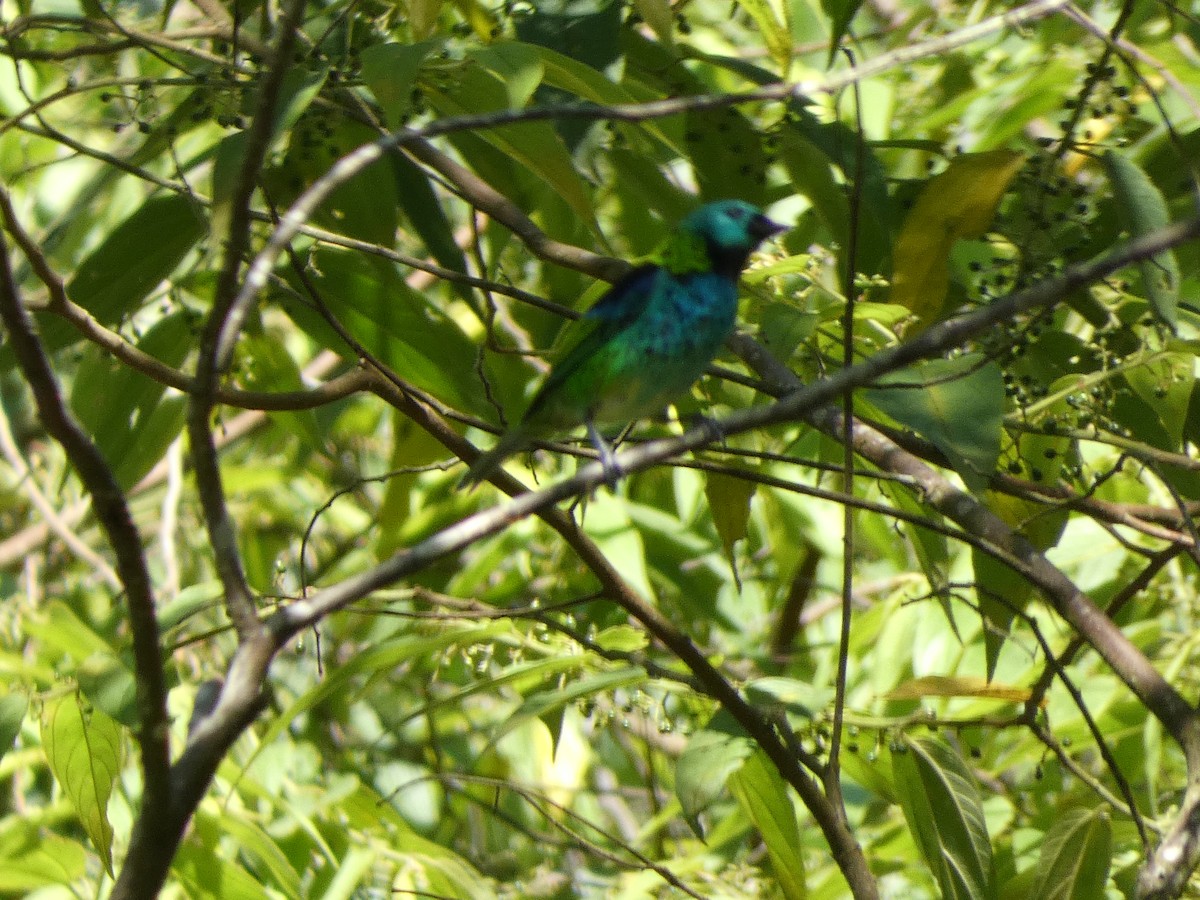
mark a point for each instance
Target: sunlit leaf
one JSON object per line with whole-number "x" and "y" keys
{"x": 957, "y": 203}
{"x": 83, "y": 748}
{"x": 762, "y": 793}
{"x": 46, "y": 859}
{"x": 772, "y": 21}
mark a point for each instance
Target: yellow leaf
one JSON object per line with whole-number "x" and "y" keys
{"x": 956, "y": 686}
{"x": 958, "y": 203}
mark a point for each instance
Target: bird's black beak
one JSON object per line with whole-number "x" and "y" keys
{"x": 762, "y": 228}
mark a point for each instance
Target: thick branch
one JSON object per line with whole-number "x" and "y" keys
{"x": 108, "y": 501}
{"x": 223, "y": 324}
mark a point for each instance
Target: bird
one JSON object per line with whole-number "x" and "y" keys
{"x": 647, "y": 339}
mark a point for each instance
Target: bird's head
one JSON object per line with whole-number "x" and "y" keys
{"x": 718, "y": 237}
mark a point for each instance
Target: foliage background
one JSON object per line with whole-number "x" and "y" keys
{"x": 494, "y": 722}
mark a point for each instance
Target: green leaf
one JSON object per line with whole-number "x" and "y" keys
{"x": 955, "y": 204}
{"x": 110, "y": 685}
{"x": 194, "y": 599}
{"x": 516, "y": 66}
{"x": 49, "y": 860}
{"x": 1165, "y": 384}
{"x": 657, "y": 14}
{"x": 1146, "y": 212}
{"x": 253, "y": 841}
{"x": 841, "y": 13}
{"x": 958, "y": 404}
{"x": 1004, "y": 593}
{"x": 586, "y": 30}
{"x": 931, "y": 547}
{"x": 622, "y": 638}
{"x": 800, "y": 697}
{"x": 384, "y": 657}
{"x": 535, "y": 145}
{"x": 729, "y": 502}
{"x": 135, "y": 258}
{"x": 12, "y": 714}
{"x": 403, "y": 505}
{"x": 390, "y": 73}
{"x": 727, "y": 155}
{"x": 125, "y": 410}
{"x": 301, "y": 86}
{"x": 763, "y": 795}
{"x": 608, "y": 523}
{"x": 266, "y": 365}
{"x": 64, "y": 634}
{"x": 711, "y": 756}
{"x": 424, "y": 212}
{"x": 773, "y": 24}
{"x": 396, "y": 323}
{"x": 364, "y": 206}
{"x": 84, "y": 752}
{"x": 812, "y": 174}
{"x": 540, "y": 704}
{"x": 1075, "y": 858}
{"x": 945, "y": 817}
{"x": 206, "y": 873}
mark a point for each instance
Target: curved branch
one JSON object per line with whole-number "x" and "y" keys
{"x": 226, "y": 318}
{"x": 112, "y": 510}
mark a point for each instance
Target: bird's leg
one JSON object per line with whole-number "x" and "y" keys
{"x": 612, "y": 470}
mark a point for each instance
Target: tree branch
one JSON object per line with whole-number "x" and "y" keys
{"x": 224, "y": 323}
{"x": 108, "y": 501}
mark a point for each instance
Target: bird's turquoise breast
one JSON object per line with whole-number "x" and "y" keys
{"x": 659, "y": 356}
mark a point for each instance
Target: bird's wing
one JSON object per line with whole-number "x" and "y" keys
{"x": 605, "y": 319}
{"x": 625, "y": 300}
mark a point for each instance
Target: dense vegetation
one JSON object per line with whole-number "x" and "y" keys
{"x": 272, "y": 272}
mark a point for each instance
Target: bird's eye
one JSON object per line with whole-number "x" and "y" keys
{"x": 737, "y": 214}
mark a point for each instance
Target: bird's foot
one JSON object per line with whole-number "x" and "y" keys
{"x": 612, "y": 468}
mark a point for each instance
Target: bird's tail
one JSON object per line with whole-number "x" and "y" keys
{"x": 511, "y": 442}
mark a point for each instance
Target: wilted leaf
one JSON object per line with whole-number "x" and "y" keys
{"x": 956, "y": 686}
